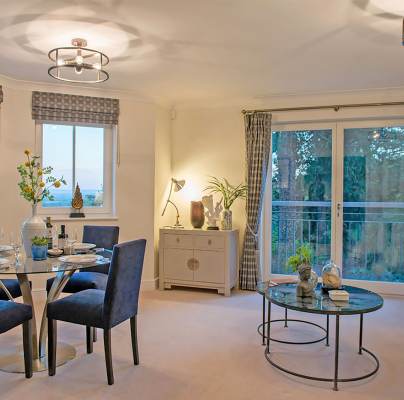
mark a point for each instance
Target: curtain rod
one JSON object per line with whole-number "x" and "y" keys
{"x": 336, "y": 107}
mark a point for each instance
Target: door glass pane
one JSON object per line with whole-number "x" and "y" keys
{"x": 90, "y": 164}
{"x": 373, "y": 224}
{"x": 301, "y": 195}
{"x": 57, "y": 152}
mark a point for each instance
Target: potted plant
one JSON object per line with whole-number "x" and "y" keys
{"x": 39, "y": 248}
{"x": 229, "y": 193}
{"x": 301, "y": 263}
{"x": 35, "y": 185}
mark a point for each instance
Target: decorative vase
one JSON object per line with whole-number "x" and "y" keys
{"x": 39, "y": 253}
{"x": 227, "y": 220}
{"x": 308, "y": 280}
{"x": 34, "y": 226}
{"x": 197, "y": 214}
{"x": 331, "y": 276}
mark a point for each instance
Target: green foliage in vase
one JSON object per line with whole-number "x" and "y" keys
{"x": 36, "y": 182}
{"x": 229, "y": 192}
{"x": 39, "y": 241}
{"x": 303, "y": 256}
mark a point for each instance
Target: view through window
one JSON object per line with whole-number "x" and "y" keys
{"x": 77, "y": 154}
{"x": 370, "y": 186}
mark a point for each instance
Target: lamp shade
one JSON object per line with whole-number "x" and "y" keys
{"x": 178, "y": 184}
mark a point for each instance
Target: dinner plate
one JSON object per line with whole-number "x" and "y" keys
{"x": 80, "y": 259}
{"x": 5, "y": 247}
{"x": 55, "y": 252}
{"x": 83, "y": 246}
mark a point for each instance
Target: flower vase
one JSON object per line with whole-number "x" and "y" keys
{"x": 227, "y": 220}
{"x": 33, "y": 226}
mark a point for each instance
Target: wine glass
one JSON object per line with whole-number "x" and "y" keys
{"x": 16, "y": 242}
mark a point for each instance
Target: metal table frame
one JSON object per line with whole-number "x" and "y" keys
{"x": 266, "y": 338}
{"x": 15, "y": 362}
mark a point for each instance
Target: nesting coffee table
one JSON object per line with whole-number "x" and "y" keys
{"x": 360, "y": 302}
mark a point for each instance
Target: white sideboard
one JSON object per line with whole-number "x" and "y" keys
{"x": 197, "y": 258}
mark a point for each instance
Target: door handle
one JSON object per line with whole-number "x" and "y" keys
{"x": 338, "y": 208}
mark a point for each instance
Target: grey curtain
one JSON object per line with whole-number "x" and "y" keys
{"x": 48, "y": 106}
{"x": 258, "y": 148}
{"x": 1, "y": 94}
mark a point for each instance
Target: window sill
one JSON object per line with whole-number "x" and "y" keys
{"x": 86, "y": 218}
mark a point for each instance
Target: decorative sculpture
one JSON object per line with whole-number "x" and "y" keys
{"x": 308, "y": 281}
{"x": 77, "y": 203}
{"x": 212, "y": 213}
{"x": 301, "y": 262}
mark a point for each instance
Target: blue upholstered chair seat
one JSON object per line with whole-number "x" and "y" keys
{"x": 12, "y": 286}
{"x": 82, "y": 281}
{"x": 13, "y": 314}
{"x": 84, "y": 308}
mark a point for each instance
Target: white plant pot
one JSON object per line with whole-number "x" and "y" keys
{"x": 227, "y": 220}
{"x": 33, "y": 226}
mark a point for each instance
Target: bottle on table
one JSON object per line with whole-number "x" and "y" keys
{"x": 62, "y": 238}
{"x": 49, "y": 232}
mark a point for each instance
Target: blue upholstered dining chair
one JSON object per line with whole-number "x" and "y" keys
{"x": 14, "y": 314}
{"x": 103, "y": 309}
{"x": 13, "y": 288}
{"x": 96, "y": 277}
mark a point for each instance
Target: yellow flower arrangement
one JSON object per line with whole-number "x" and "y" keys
{"x": 36, "y": 182}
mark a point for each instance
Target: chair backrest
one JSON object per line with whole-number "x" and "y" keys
{"x": 124, "y": 278}
{"x": 102, "y": 236}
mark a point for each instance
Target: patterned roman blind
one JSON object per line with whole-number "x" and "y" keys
{"x": 48, "y": 106}
{"x": 1, "y": 94}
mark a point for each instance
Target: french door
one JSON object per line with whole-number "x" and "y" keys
{"x": 340, "y": 188}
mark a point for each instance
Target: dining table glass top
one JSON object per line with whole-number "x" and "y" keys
{"x": 29, "y": 266}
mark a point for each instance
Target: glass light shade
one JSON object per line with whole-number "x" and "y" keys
{"x": 331, "y": 276}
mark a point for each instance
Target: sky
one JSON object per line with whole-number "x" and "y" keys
{"x": 58, "y": 152}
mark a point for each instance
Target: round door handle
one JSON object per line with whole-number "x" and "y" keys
{"x": 196, "y": 264}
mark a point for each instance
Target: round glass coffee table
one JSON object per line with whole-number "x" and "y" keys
{"x": 360, "y": 302}
{"x": 13, "y": 361}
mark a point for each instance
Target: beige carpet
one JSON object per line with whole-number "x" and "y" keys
{"x": 199, "y": 345}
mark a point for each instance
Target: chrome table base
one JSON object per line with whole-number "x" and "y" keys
{"x": 13, "y": 360}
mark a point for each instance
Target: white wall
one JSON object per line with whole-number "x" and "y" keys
{"x": 163, "y": 174}
{"x": 135, "y": 177}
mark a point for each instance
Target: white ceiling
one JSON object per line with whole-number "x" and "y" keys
{"x": 186, "y": 50}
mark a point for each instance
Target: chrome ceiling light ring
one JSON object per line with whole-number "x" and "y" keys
{"x": 78, "y": 64}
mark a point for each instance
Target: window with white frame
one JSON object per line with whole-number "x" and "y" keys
{"x": 83, "y": 154}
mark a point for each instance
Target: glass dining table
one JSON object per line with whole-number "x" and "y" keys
{"x": 12, "y": 360}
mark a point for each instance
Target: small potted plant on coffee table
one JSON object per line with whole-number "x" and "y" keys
{"x": 301, "y": 263}
{"x": 39, "y": 248}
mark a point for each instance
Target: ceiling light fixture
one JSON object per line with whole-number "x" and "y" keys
{"x": 78, "y": 64}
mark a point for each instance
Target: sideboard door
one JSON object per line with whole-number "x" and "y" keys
{"x": 179, "y": 264}
{"x": 209, "y": 266}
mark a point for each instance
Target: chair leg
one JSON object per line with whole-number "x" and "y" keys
{"x": 133, "y": 331}
{"x": 89, "y": 339}
{"x": 108, "y": 356}
{"x": 27, "y": 343}
{"x": 52, "y": 340}
{"x": 94, "y": 335}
